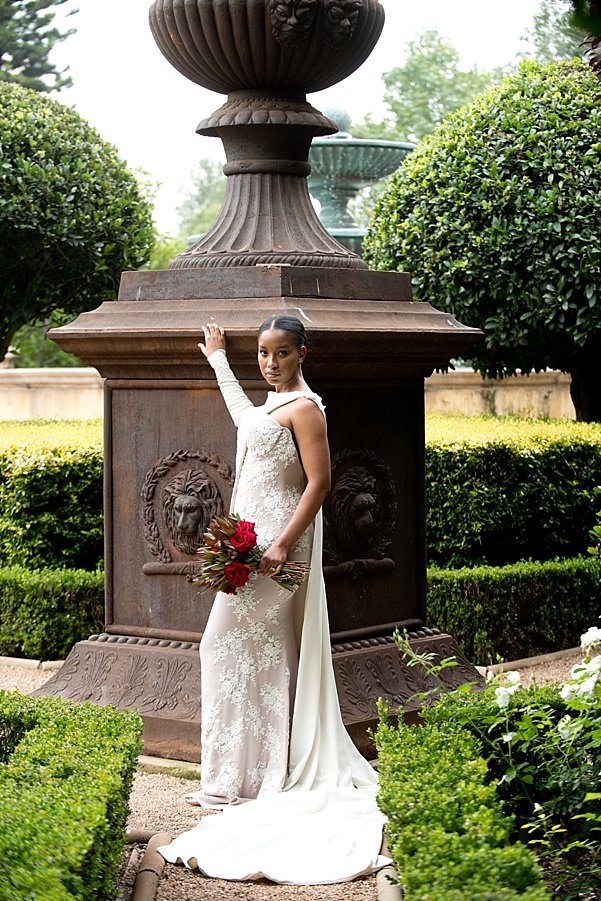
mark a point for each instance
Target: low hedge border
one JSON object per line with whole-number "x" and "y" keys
{"x": 446, "y": 830}
{"x": 508, "y": 612}
{"x": 525, "y": 494}
{"x": 514, "y": 611}
{"x": 43, "y": 613}
{"x": 498, "y": 490}
{"x": 65, "y": 780}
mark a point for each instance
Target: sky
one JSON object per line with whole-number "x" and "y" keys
{"x": 125, "y": 87}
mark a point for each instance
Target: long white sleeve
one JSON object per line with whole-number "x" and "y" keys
{"x": 235, "y": 399}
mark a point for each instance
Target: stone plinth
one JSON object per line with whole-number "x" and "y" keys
{"x": 167, "y": 435}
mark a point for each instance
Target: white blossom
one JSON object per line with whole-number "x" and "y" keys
{"x": 508, "y": 737}
{"x": 590, "y": 641}
{"x": 513, "y": 677}
{"x": 568, "y": 692}
{"x": 503, "y": 696}
{"x": 587, "y": 686}
{"x": 566, "y": 727}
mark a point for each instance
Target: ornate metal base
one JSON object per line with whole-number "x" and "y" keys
{"x": 161, "y": 679}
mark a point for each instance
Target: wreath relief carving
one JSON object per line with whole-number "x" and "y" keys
{"x": 181, "y": 493}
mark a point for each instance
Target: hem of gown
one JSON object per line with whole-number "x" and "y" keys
{"x": 311, "y": 837}
{"x": 192, "y": 864}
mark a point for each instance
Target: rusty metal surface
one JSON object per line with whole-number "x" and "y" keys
{"x": 161, "y": 680}
{"x": 366, "y": 319}
{"x": 169, "y": 445}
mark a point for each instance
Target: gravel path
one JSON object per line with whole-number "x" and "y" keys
{"x": 157, "y": 803}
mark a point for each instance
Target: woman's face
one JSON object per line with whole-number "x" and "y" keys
{"x": 279, "y": 358}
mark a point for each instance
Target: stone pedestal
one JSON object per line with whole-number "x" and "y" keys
{"x": 170, "y": 449}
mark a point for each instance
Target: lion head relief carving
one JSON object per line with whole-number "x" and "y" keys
{"x": 190, "y": 500}
{"x": 361, "y": 508}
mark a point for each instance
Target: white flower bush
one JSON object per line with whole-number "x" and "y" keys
{"x": 590, "y": 642}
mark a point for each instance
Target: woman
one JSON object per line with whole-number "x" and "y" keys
{"x": 271, "y": 724}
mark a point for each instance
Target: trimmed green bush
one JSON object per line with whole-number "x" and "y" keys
{"x": 496, "y": 216}
{"x": 64, "y": 786}
{"x": 44, "y": 612}
{"x": 511, "y": 611}
{"x": 51, "y": 505}
{"x": 499, "y": 491}
{"x": 446, "y": 830}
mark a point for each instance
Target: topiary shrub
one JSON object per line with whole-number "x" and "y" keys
{"x": 496, "y": 215}
{"x": 72, "y": 216}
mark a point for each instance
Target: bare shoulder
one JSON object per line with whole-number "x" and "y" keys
{"x": 305, "y": 411}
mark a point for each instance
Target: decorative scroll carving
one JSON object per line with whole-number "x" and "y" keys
{"x": 96, "y": 668}
{"x": 373, "y": 668}
{"x": 360, "y": 511}
{"x": 356, "y": 686}
{"x": 191, "y": 498}
{"x": 165, "y": 693}
{"x": 292, "y": 20}
{"x": 129, "y": 684}
{"x": 340, "y": 21}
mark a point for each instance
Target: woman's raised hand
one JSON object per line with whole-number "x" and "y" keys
{"x": 214, "y": 339}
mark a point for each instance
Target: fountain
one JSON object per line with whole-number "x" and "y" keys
{"x": 341, "y": 166}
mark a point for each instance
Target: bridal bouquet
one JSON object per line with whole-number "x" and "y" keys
{"x": 230, "y": 554}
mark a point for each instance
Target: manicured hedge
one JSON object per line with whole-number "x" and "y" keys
{"x": 446, "y": 830}
{"x": 51, "y": 494}
{"x": 511, "y": 611}
{"x": 503, "y": 490}
{"x": 498, "y": 490}
{"x": 64, "y": 784}
{"x": 44, "y": 612}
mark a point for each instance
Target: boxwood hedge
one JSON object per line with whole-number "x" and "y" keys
{"x": 446, "y": 830}
{"x": 44, "y": 612}
{"x": 51, "y": 495}
{"x": 65, "y": 779}
{"x": 497, "y": 491}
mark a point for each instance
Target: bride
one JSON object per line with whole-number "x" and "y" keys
{"x": 298, "y": 800}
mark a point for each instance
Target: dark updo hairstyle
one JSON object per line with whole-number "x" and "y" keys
{"x": 289, "y": 324}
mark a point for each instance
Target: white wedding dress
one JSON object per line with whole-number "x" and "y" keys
{"x": 272, "y": 733}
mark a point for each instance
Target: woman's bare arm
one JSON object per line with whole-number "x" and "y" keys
{"x": 309, "y": 429}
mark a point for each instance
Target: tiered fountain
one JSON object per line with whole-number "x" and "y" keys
{"x": 341, "y": 166}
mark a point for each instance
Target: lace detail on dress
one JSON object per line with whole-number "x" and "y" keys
{"x": 249, "y": 654}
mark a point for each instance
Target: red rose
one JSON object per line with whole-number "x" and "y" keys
{"x": 237, "y": 574}
{"x": 244, "y": 538}
{"x": 229, "y": 589}
{"x": 245, "y": 526}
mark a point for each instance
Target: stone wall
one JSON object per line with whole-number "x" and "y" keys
{"x": 77, "y": 394}
{"x": 50, "y": 394}
{"x": 542, "y": 395}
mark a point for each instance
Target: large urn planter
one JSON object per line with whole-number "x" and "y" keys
{"x": 266, "y": 55}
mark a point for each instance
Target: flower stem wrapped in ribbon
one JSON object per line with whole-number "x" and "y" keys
{"x": 230, "y": 554}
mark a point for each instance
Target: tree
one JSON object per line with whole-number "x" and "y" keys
{"x": 72, "y": 216}
{"x": 552, "y": 36}
{"x": 428, "y": 87}
{"x": 27, "y": 36}
{"x": 202, "y": 202}
{"x": 497, "y": 216}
